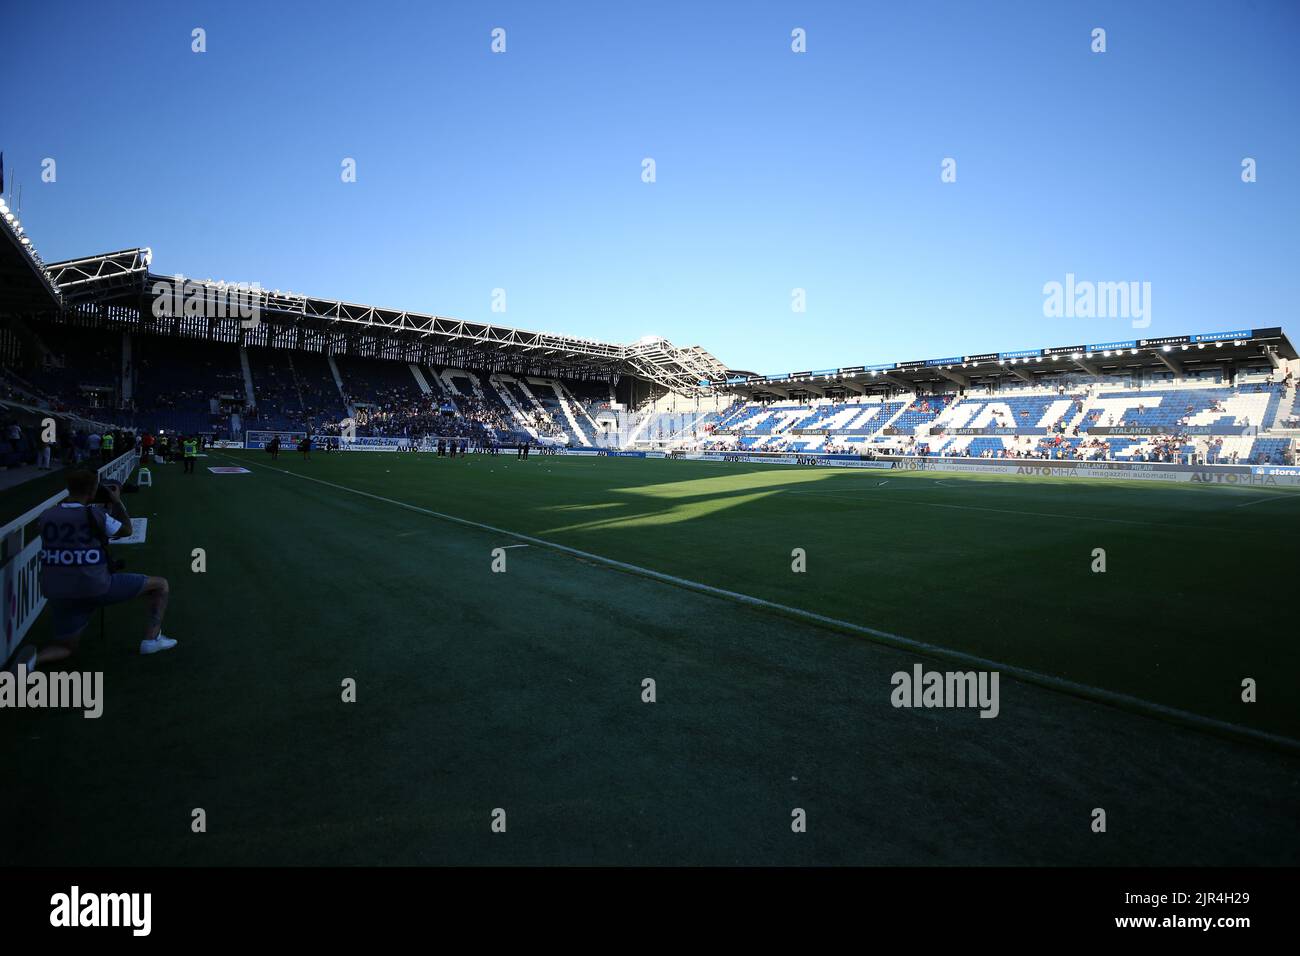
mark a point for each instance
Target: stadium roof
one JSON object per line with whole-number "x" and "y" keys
{"x": 124, "y": 277}
{"x": 1177, "y": 353}
{"x": 25, "y": 286}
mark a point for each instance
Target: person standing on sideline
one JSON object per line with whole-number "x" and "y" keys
{"x": 191, "y": 451}
{"x": 106, "y": 445}
{"x": 47, "y": 449}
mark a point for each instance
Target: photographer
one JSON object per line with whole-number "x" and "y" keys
{"x": 77, "y": 575}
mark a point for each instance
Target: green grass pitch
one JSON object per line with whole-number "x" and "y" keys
{"x": 522, "y": 690}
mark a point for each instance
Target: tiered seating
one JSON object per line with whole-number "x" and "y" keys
{"x": 1172, "y": 409}
{"x": 278, "y": 403}
{"x": 1267, "y": 451}
{"x": 923, "y": 410}
{"x": 586, "y": 431}
{"x": 378, "y": 381}
{"x": 1052, "y": 422}
{"x": 176, "y": 381}
{"x": 85, "y": 360}
{"x": 593, "y": 396}
{"x": 979, "y": 446}
{"x": 461, "y": 386}
{"x": 1291, "y": 419}
{"x": 316, "y": 385}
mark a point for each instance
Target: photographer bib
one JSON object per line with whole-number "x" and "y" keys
{"x": 74, "y": 553}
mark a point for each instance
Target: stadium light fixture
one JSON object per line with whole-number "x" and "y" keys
{"x": 4, "y": 207}
{"x": 1167, "y": 348}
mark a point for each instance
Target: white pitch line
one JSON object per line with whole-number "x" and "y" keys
{"x": 1260, "y": 501}
{"x": 1114, "y": 698}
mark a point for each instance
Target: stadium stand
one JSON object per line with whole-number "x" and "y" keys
{"x": 1176, "y": 422}
{"x": 180, "y": 384}
{"x": 194, "y": 386}
{"x": 321, "y": 397}
{"x": 88, "y": 336}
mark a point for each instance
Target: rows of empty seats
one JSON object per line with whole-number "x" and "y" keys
{"x": 1031, "y": 416}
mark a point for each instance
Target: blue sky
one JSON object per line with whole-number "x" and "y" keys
{"x": 775, "y": 170}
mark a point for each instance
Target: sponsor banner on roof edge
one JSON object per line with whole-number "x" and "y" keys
{"x": 1058, "y": 350}
{"x": 1223, "y": 336}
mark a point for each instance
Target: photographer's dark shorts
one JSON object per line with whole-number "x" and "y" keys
{"x": 71, "y": 615}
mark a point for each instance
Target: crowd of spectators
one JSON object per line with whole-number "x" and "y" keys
{"x": 26, "y": 442}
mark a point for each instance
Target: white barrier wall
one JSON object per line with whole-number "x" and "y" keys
{"x": 21, "y": 600}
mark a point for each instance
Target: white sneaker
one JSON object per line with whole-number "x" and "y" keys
{"x": 159, "y": 643}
